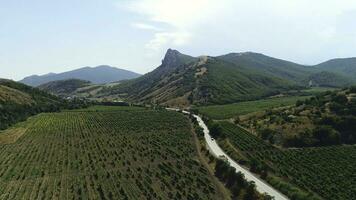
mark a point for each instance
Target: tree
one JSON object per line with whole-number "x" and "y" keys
{"x": 251, "y": 193}
{"x": 216, "y": 130}
{"x": 326, "y": 135}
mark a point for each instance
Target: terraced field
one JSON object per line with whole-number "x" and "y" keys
{"x": 105, "y": 154}
{"x": 327, "y": 171}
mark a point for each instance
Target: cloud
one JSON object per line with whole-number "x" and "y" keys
{"x": 166, "y": 38}
{"x": 178, "y": 18}
{"x": 293, "y": 28}
{"x": 145, "y": 26}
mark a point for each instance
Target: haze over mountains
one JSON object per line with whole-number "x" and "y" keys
{"x": 98, "y": 75}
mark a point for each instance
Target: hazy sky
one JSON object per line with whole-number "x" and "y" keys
{"x": 41, "y": 36}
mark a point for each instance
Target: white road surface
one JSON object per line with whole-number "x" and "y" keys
{"x": 214, "y": 148}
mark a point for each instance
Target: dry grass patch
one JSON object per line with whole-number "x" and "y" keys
{"x": 11, "y": 135}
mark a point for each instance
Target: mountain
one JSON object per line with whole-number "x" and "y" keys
{"x": 271, "y": 66}
{"x": 343, "y": 66}
{"x": 185, "y": 80}
{"x": 329, "y": 79}
{"x": 97, "y": 75}
{"x": 64, "y": 87}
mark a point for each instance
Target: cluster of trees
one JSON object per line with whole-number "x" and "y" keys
{"x": 236, "y": 182}
{"x": 335, "y": 120}
{"x": 215, "y": 129}
{"x": 336, "y": 123}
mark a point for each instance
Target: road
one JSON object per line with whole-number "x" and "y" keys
{"x": 215, "y": 149}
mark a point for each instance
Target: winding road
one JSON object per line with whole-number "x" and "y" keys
{"x": 214, "y": 148}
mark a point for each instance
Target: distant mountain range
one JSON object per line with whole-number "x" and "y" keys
{"x": 98, "y": 75}
{"x": 185, "y": 80}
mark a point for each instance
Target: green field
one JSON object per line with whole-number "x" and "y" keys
{"x": 108, "y": 108}
{"x": 232, "y": 110}
{"x": 327, "y": 171}
{"x": 111, "y": 154}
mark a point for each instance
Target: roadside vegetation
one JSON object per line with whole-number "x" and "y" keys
{"x": 234, "y": 182}
{"x": 321, "y": 127}
{"x": 307, "y": 173}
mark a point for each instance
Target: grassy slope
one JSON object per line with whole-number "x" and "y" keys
{"x": 271, "y": 66}
{"x": 64, "y": 87}
{"x": 105, "y": 155}
{"x": 226, "y": 83}
{"x": 8, "y": 94}
{"x": 232, "y": 110}
{"x": 18, "y": 101}
{"x": 346, "y": 67}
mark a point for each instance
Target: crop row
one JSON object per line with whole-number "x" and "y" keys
{"x": 327, "y": 171}
{"x": 105, "y": 155}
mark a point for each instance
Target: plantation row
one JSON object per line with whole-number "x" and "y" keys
{"x": 242, "y": 108}
{"x": 326, "y": 171}
{"x": 105, "y": 155}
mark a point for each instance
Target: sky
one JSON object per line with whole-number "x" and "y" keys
{"x": 42, "y": 36}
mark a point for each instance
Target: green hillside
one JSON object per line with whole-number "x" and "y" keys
{"x": 226, "y": 82}
{"x": 183, "y": 80}
{"x": 271, "y": 66}
{"x": 329, "y": 79}
{"x": 64, "y": 87}
{"x": 19, "y": 101}
{"x": 343, "y": 66}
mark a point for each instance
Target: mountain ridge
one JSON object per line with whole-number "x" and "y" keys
{"x": 99, "y": 74}
{"x": 186, "y": 80}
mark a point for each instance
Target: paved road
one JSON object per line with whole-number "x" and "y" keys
{"x": 214, "y": 148}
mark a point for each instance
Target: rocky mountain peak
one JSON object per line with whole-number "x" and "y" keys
{"x": 171, "y": 58}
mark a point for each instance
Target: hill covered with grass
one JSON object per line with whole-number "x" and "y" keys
{"x": 19, "y": 101}
{"x": 343, "y": 66}
{"x": 64, "y": 87}
{"x": 183, "y": 80}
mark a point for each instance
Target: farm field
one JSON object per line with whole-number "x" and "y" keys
{"x": 227, "y": 111}
{"x": 326, "y": 171}
{"x": 105, "y": 155}
{"x": 108, "y": 109}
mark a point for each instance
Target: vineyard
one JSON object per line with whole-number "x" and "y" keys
{"x": 111, "y": 154}
{"x": 233, "y": 110}
{"x": 326, "y": 171}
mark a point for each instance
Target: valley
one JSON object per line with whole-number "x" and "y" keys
{"x": 177, "y": 100}
{"x": 260, "y": 128}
